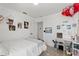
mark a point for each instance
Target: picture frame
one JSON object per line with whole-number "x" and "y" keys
{"x": 63, "y": 24}
{"x": 68, "y": 26}
{"x": 19, "y": 25}
{"x": 58, "y": 26}
{"x": 48, "y": 30}
{"x": 10, "y": 21}
{"x": 74, "y": 25}
{"x": 26, "y": 25}
{"x": 12, "y": 27}
{"x": 65, "y": 21}
{"x": 59, "y": 35}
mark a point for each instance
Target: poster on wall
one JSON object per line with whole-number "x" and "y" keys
{"x": 26, "y": 25}
{"x": 48, "y": 30}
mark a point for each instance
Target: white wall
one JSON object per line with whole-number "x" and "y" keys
{"x": 57, "y": 19}
{"x": 48, "y": 21}
{"x": 5, "y": 34}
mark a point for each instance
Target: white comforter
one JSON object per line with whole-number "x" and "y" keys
{"x": 41, "y": 45}
{"x": 23, "y": 47}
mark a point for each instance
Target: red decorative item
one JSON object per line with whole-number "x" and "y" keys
{"x": 71, "y": 10}
{"x": 76, "y": 7}
{"x": 66, "y": 11}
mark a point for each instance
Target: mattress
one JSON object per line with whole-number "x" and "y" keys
{"x": 22, "y": 47}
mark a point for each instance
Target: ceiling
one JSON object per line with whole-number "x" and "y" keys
{"x": 40, "y": 10}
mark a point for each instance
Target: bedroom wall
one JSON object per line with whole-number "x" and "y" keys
{"x": 5, "y": 34}
{"x": 58, "y": 19}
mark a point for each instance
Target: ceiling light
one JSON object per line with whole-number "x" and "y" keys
{"x": 35, "y": 3}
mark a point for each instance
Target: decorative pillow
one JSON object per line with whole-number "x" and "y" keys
{"x": 3, "y": 50}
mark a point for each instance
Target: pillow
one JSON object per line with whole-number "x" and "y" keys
{"x": 3, "y": 50}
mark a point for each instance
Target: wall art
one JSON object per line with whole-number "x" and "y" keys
{"x": 10, "y": 24}
{"x": 48, "y": 30}
{"x": 59, "y": 35}
{"x": 12, "y": 27}
{"x": 74, "y": 25}
{"x": 58, "y": 26}
{"x": 10, "y": 21}
{"x": 26, "y": 25}
{"x": 65, "y": 21}
{"x": 68, "y": 26}
{"x": 19, "y": 25}
{"x": 63, "y": 24}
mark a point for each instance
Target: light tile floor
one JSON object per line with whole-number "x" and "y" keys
{"x": 53, "y": 52}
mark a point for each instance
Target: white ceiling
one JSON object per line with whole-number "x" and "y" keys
{"x": 42, "y": 9}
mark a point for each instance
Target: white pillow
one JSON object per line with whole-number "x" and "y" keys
{"x": 3, "y": 50}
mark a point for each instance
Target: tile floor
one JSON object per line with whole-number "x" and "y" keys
{"x": 52, "y": 52}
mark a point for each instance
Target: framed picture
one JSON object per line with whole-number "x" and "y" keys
{"x": 12, "y": 28}
{"x": 59, "y": 35}
{"x": 26, "y": 25}
{"x": 48, "y": 30}
{"x": 58, "y": 26}
{"x": 63, "y": 25}
{"x": 68, "y": 26}
{"x": 74, "y": 25}
{"x": 65, "y": 21}
{"x": 10, "y": 21}
{"x": 19, "y": 25}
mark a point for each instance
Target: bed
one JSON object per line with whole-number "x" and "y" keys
{"x": 22, "y": 47}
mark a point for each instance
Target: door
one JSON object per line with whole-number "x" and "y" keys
{"x": 40, "y": 30}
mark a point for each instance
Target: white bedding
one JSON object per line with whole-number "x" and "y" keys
{"x": 41, "y": 45}
{"x": 23, "y": 47}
